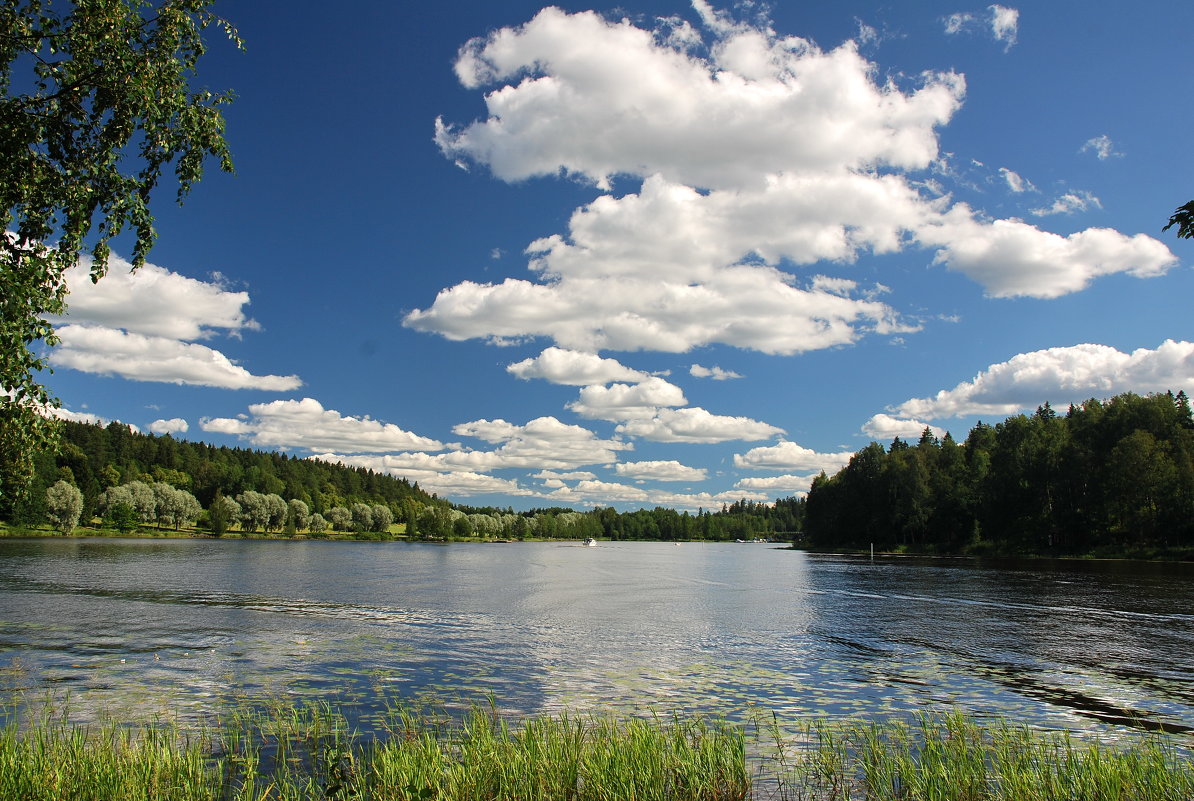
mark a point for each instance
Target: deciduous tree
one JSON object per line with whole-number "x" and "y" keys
{"x": 64, "y": 504}
{"x": 96, "y": 100}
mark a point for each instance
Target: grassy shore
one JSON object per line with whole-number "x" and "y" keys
{"x": 308, "y": 752}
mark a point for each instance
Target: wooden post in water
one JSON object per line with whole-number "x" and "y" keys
{"x": 872, "y": 551}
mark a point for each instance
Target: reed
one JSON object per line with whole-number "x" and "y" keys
{"x": 281, "y": 752}
{"x": 953, "y": 757}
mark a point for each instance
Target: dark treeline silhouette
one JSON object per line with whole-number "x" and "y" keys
{"x": 739, "y": 520}
{"x": 94, "y": 457}
{"x": 1112, "y": 477}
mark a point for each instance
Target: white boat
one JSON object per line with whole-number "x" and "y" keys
{"x": 589, "y": 542}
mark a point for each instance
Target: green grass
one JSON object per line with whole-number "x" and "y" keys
{"x": 308, "y": 752}
{"x": 286, "y": 753}
{"x": 953, "y": 757}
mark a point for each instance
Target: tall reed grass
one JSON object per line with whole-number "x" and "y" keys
{"x": 953, "y": 757}
{"x": 309, "y": 752}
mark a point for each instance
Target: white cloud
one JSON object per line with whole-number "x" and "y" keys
{"x": 576, "y": 475}
{"x": 139, "y": 325}
{"x": 867, "y": 34}
{"x": 760, "y": 105}
{"x": 1011, "y": 258}
{"x": 1070, "y": 203}
{"x": 1061, "y": 376}
{"x": 594, "y": 493}
{"x": 175, "y": 425}
{"x": 788, "y": 483}
{"x": 956, "y": 23}
{"x": 598, "y": 493}
{"x": 560, "y": 366}
{"x": 714, "y": 372}
{"x": 885, "y": 427}
{"x": 543, "y": 443}
{"x": 627, "y": 401}
{"x": 454, "y": 484}
{"x": 154, "y": 301}
{"x": 695, "y": 424}
{"x": 761, "y": 154}
{"x": 306, "y": 424}
{"x": 1002, "y": 22}
{"x": 107, "y": 351}
{"x": 1005, "y": 24}
{"x": 63, "y": 413}
{"x": 1101, "y": 146}
{"x": 669, "y": 470}
{"x": 791, "y": 456}
{"x": 1015, "y": 181}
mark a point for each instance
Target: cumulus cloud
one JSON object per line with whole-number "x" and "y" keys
{"x": 1011, "y": 258}
{"x": 1061, "y": 376}
{"x": 1070, "y": 203}
{"x": 140, "y": 325}
{"x": 760, "y": 105}
{"x": 787, "y": 455}
{"x": 669, "y": 470}
{"x": 714, "y": 372}
{"x": 175, "y": 425}
{"x": 597, "y": 493}
{"x": 109, "y": 351}
{"x": 575, "y": 475}
{"x": 306, "y": 424}
{"x": 542, "y": 443}
{"x": 63, "y": 413}
{"x": 576, "y": 368}
{"x": 885, "y": 427}
{"x": 694, "y": 424}
{"x": 154, "y": 301}
{"x": 1101, "y": 146}
{"x": 454, "y": 484}
{"x": 755, "y": 154}
{"x": 787, "y": 483}
{"x": 627, "y": 401}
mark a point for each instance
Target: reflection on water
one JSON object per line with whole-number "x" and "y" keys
{"x": 190, "y": 626}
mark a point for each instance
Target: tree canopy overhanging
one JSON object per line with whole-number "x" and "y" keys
{"x": 96, "y": 101}
{"x": 1183, "y": 218}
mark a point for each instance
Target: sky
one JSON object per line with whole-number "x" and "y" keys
{"x": 657, "y": 254}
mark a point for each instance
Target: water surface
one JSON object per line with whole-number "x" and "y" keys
{"x": 190, "y": 626}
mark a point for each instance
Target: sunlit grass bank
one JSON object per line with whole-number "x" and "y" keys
{"x": 310, "y": 753}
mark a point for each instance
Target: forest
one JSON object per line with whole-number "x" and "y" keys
{"x": 1108, "y": 477}
{"x": 132, "y": 480}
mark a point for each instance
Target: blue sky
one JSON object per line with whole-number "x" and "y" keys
{"x": 656, "y": 254}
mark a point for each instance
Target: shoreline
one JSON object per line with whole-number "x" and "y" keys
{"x": 297, "y": 750}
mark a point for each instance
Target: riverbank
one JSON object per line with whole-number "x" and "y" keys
{"x": 1107, "y": 554}
{"x": 397, "y": 533}
{"x": 308, "y": 752}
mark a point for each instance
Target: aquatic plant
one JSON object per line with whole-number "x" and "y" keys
{"x": 282, "y": 752}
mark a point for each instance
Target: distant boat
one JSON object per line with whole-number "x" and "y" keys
{"x": 589, "y": 542}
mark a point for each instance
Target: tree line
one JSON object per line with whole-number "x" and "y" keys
{"x": 129, "y": 479}
{"x": 1113, "y": 476}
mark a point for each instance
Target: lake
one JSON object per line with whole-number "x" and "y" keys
{"x": 189, "y": 627}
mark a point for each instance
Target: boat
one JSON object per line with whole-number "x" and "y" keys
{"x": 589, "y": 542}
